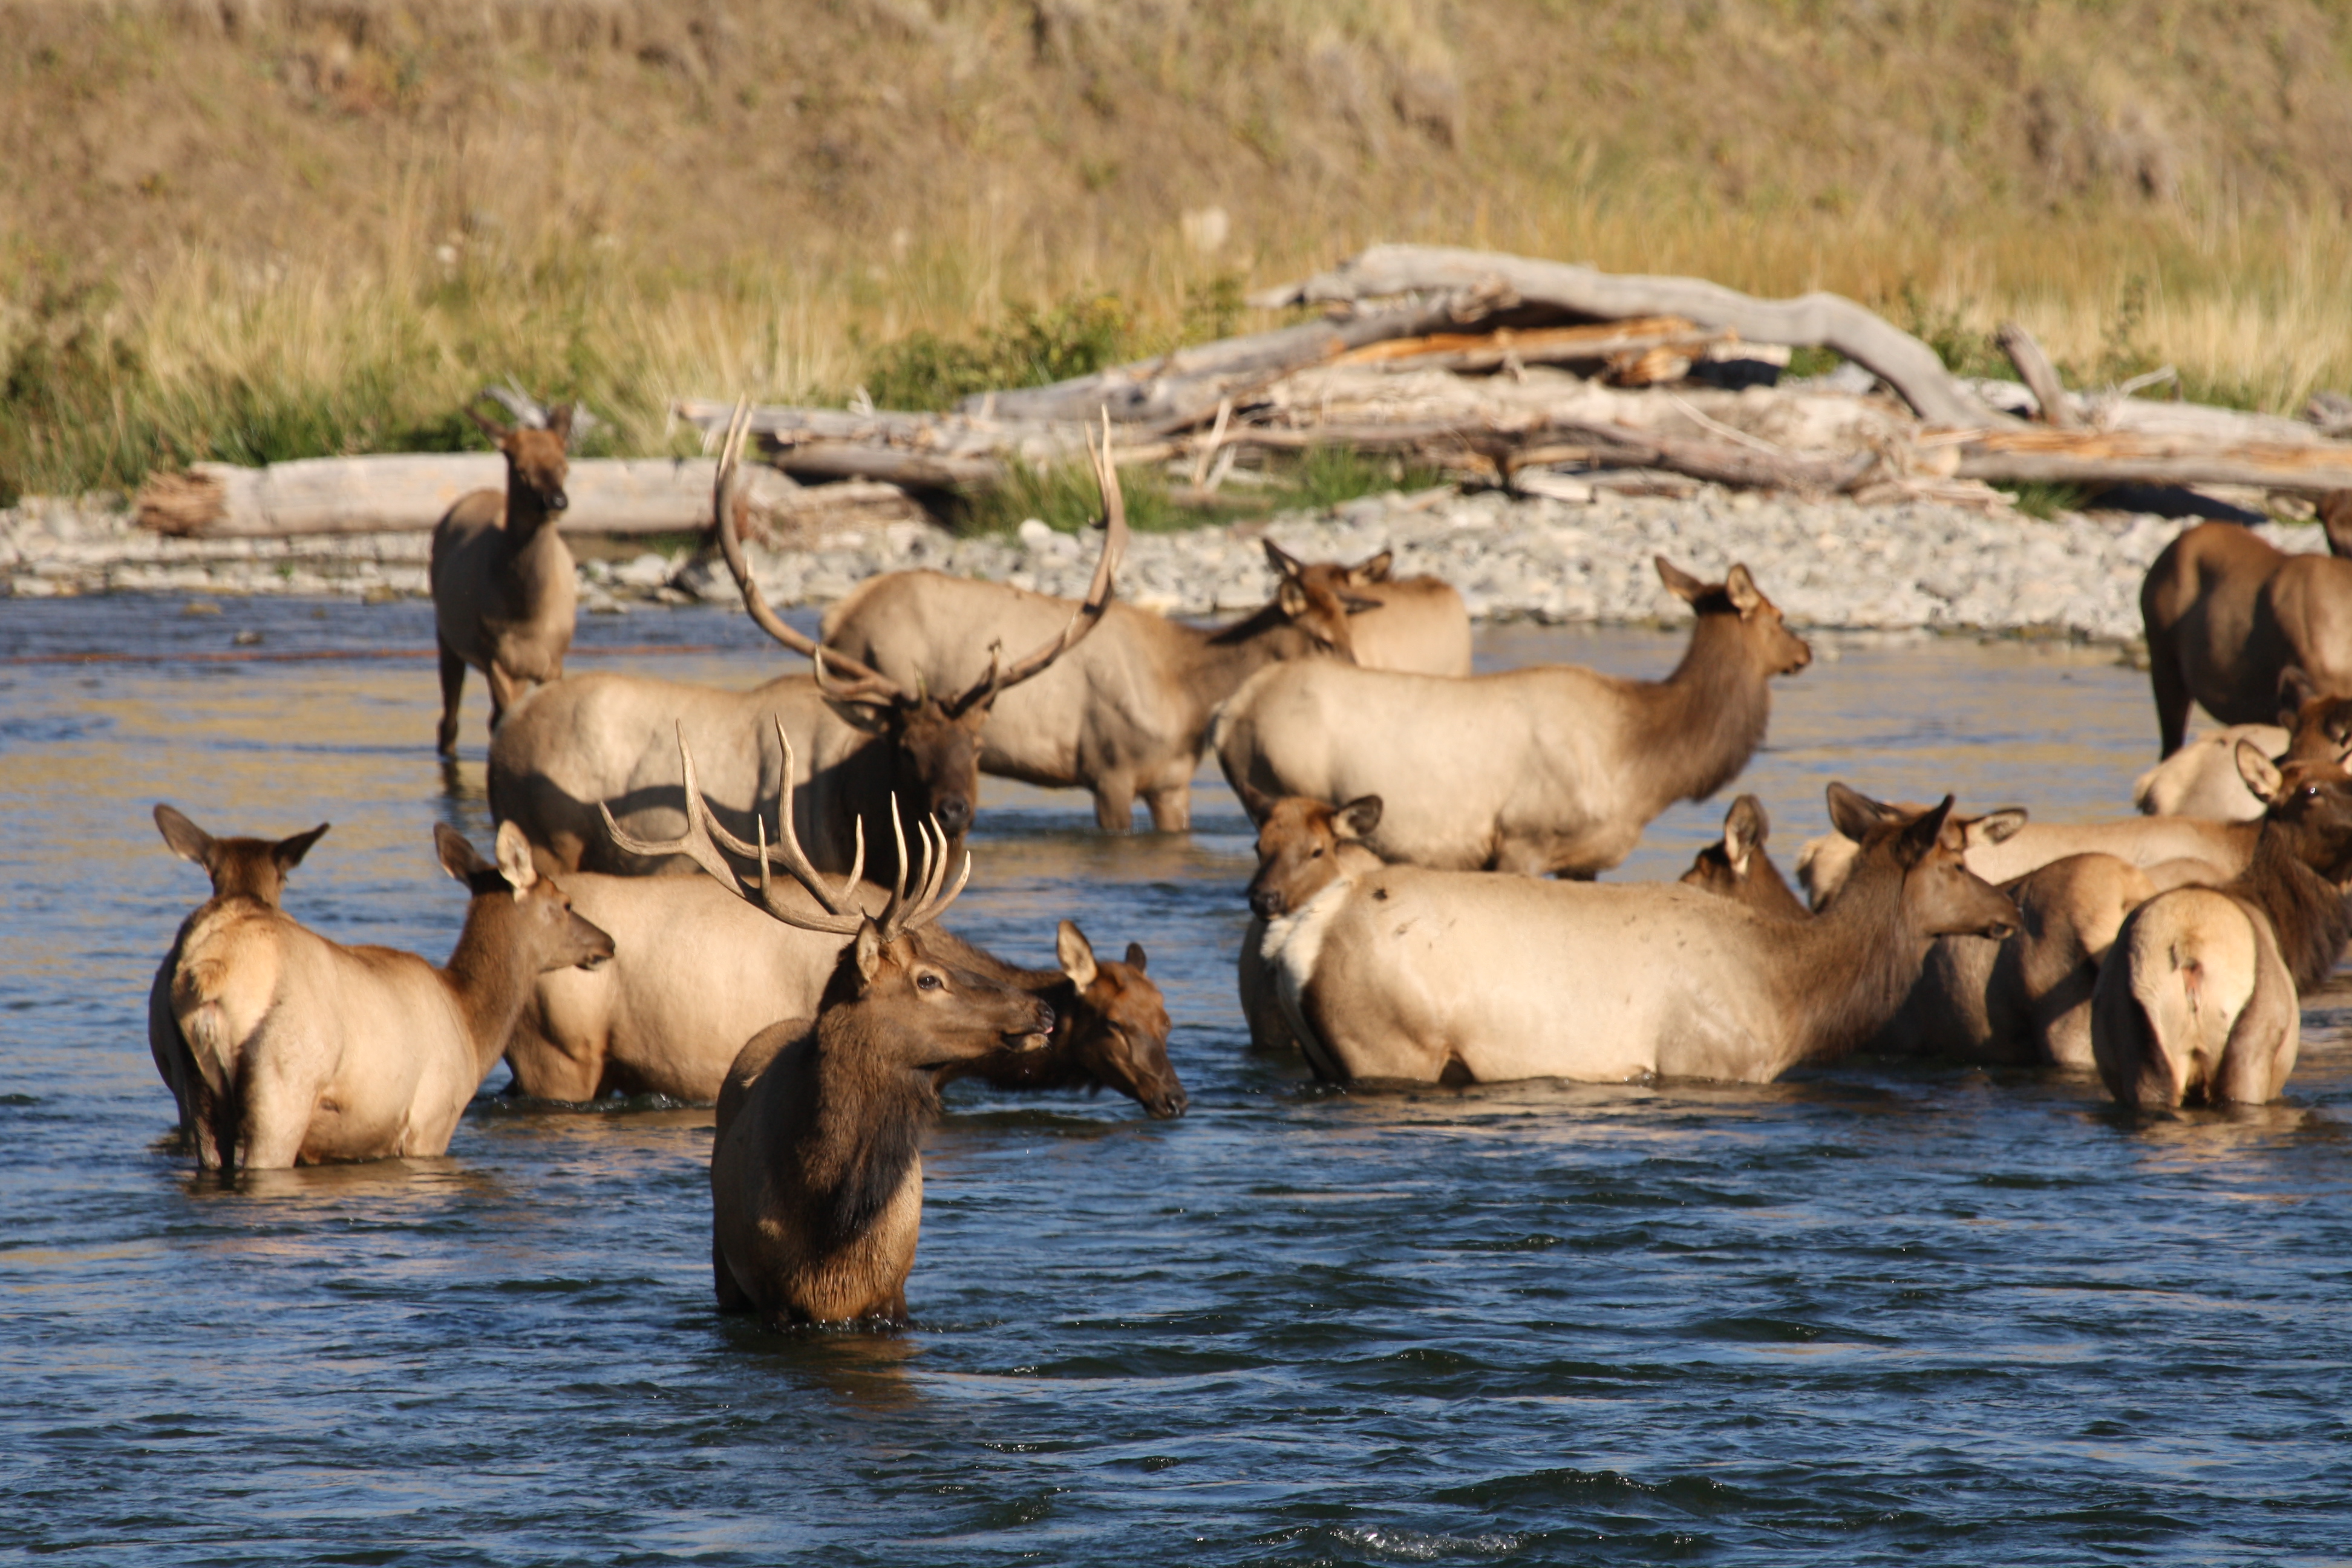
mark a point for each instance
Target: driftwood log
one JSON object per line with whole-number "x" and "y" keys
{"x": 2040, "y": 377}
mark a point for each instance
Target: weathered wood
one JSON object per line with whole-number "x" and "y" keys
{"x": 1537, "y": 346}
{"x": 1814, "y": 320}
{"x": 893, "y": 464}
{"x": 2040, "y": 377}
{"x": 2110, "y": 457}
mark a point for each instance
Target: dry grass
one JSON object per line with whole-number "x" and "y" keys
{"x": 321, "y": 227}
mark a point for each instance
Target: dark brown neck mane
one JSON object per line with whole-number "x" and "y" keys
{"x": 1227, "y": 656}
{"x": 1847, "y": 970}
{"x": 2306, "y": 910}
{"x": 1694, "y": 731}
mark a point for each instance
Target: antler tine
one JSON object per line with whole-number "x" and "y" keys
{"x": 936, "y": 906}
{"x": 722, "y": 517}
{"x": 896, "y": 909}
{"x": 694, "y": 843}
{"x": 1089, "y": 614}
{"x": 841, "y": 900}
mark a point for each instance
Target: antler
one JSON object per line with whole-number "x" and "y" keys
{"x": 1089, "y": 614}
{"x": 864, "y": 684}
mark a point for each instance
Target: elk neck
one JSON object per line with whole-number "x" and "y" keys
{"x": 2306, "y": 911}
{"x": 491, "y": 973}
{"x": 857, "y": 1127}
{"x": 1691, "y": 733}
{"x": 1224, "y": 657}
{"x": 1843, "y": 973}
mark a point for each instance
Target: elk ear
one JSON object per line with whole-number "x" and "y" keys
{"x": 1746, "y": 596}
{"x": 288, "y": 852}
{"x": 188, "y": 841}
{"x": 1853, "y": 813}
{"x": 868, "y": 947}
{"x": 1996, "y": 826}
{"x": 1679, "y": 582}
{"x": 1282, "y": 560}
{"x": 2261, "y": 774}
{"x": 458, "y": 858}
{"x": 1744, "y": 827}
{"x": 1135, "y": 959}
{"x": 1376, "y": 570}
{"x": 1291, "y": 598}
{"x": 514, "y": 860}
{"x": 1357, "y": 817}
{"x": 559, "y": 422}
{"x": 1255, "y": 800}
{"x": 1919, "y": 835}
{"x": 1076, "y": 953}
{"x": 491, "y": 427}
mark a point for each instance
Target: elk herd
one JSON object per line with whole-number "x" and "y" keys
{"x": 736, "y": 897}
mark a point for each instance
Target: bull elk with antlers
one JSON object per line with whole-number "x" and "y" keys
{"x": 505, "y": 594}
{"x": 816, "y": 1179}
{"x": 863, "y": 738}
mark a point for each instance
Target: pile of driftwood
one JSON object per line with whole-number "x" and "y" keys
{"x": 1508, "y": 371}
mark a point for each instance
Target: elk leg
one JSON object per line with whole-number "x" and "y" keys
{"x": 1114, "y": 804}
{"x": 2171, "y": 697}
{"x": 1171, "y": 806}
{"x": 722, "y": 1281}
{"x": 453, "y": 688}
{"x": 504, "y": 689}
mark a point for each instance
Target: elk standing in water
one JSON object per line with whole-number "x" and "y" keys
{"x": 249, "y": 872}
{"x": 2199, "y": 999}
{"x": 816, "y": 1177}
{"x": 605, "y": 740}
{"x": 505, "y": 594}
{"x": 307, "y": 1050}
{"x": 1552, "y": 769}
{"x": 2227, "y": 615}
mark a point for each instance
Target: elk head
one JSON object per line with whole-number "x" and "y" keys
{"x": 1770, "y": 645}
{"x": 1736, "y": 867}
{"x": 1118, "y": 1028}
{"x": 936, "y": 739}
{"x": 240, "y": 868}
{"x": 2318, "y": 727}
{"x": 537, "y": 466}
{"x": 544, "y": 926}
{"x": 1298, "y": 843}
{"x": 1318, "y": 597}
{"x": 1941, "y": 896}
{"x": 2311, "y": 802}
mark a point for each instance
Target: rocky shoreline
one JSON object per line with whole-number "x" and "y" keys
{"x": 1829, "y": 565}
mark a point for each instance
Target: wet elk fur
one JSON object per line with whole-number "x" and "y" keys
{"x": 1402, "y": 973}
{"x": 308, "y": 1051}
{"x": 1552, "y": 769}
{"x": 505, "y": 595}
{"x": 246, "y": 872}
{"x": 2199, "y": 999}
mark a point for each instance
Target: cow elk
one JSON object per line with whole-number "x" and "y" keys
{"x": 2002, "y": 846}
{"x": 505, "y": 594}
{"x": 305, "y": 1050}
{"x": 817, "y": 1180}
{"x": 1551, "y": 769}
{"x": 1405, "y": 973}
{"x": 2227, "y": 615}
{"x": 2201, "y": 779}
{"x": 245, "y": 873}
{"x": 1737, "y": 867}
{"x": 2201, "y": 998}
{"x": 1415, "y": 624}
{"x": 606, "y": 739}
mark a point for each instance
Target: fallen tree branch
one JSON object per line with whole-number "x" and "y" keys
{"x": 2035, "y": 456}
{"x": 2040, "y": 377}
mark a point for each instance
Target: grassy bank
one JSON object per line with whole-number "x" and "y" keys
{"x": 319, "y": 229}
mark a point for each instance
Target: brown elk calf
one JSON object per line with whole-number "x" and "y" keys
{"x": 2199, "y": 999}
{"x": 1738, "y": 869}
{"x": 249, "y": 869}
{"x": 505, "y": 594}
{"x": 816, "y": 1177}
{"x": 2227, "y": 615}
{"x": 305, "y": 1050}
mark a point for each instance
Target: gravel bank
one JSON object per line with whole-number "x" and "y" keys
{"x": 1827, "y": 564}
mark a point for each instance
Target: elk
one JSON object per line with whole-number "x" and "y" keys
{"x": 1417, "y": 624}
{"x": 2201, "y": 779}
{"x": 2199, "y": 999}
{"x": 816, "y": 1182}
{"x": 505, "y": 594}
{"x": 592, "y": 741}
{"x": 2002, "y": 846}
{"x": 2227, "y": 615}
{"x": 700, "y": 971}
{"x": 1738, "y": 869}
{"x": 1127, "y": 715}
{"x": 1400, "y": 973}
{"x": 1550, "y": 769}
{"x": 244, "y": 872}
{"x": 308, "y": 1051}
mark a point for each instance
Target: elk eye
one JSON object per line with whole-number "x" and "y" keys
{"x": 1318, "y": 853}
{"x": 927, "y": 983}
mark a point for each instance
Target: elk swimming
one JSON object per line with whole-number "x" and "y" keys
{"x": 816, "y": 1176}
{"x": 505, "y": 594}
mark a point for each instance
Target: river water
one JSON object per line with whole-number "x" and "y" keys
{"x": 1880, "y": 1312}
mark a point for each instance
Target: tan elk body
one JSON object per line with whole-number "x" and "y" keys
{"x": 2201, "y": 779}
{"x": 2227, "y": 616}
{"x": 505, "y": 592}
{"x": 1405, "y": 973}
{"x": 244, "y": 872}
{"x": 308, "y": 1050}
{"x": 1552, "y": 769}
{"x": 2200, "y": 997}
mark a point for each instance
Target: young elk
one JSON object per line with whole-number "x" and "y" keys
{"x": 1416, "y": 624}
{"x": 246, "y": 872}
{"x": 863, "y": 739}
{"x": 816, "y": 1179}
{"x": 308, "y": 1051}
{"x": 2199, "y": 998}
{"x": 1551, "y": 769}
{"x": 504, "y": 592}
{"x": 1738, "y": 869}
